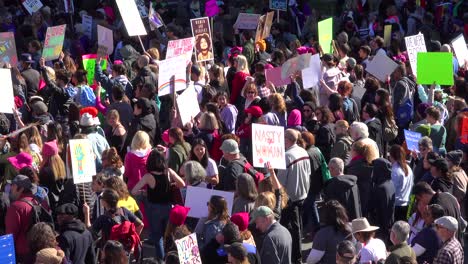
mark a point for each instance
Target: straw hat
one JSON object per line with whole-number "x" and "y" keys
{"x": 362, "y": 225}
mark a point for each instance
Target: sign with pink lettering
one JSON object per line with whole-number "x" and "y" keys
{"x": 53, "y": 42}
{"x": 188, "y": 251}
{"x": 268, "y": 146}
{"x": 180, "y": 47}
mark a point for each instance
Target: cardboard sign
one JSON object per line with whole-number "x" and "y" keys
{"x": 8, "y": 48}
{"x": 325, "y": 31}
{"x": 106, "y": 38}
{"x": 142, "y": 8}
{"x": 211, "y": 8}
{"x": 32, "y": 6}
{"x": 460, "y": 49}
{"x": 387, "y": 35}
{"x": 464, "y": 131}
{"x": 274, "y": 76}
{"x": 264, "y": 26}
{"x": 247, "y": 21}
{"x": 82, "y": 160}
{"x": 89, "y": 64}
{"x": 187, "y": 103}
{"x": 7, "y": 100}
{"x": 187, "y": 249}
{"x": 131, "y": 18}
{"x": 435, "y": 67}
{"x": 180, "y": 47}
{"x": 168, "y": 68}
{"x": 381, "y": 66}
{"x": 312, "y": 74}
{"x": 415, "y": 44}
{"x": 155, "y": 20}
{"x": 281, "y": 5}
{"x": 268, "y": 146}
{"x": 412, "y": 140}
{"x": 53, "y": 43}
{"x": 7, "y": 249}
{"x": 203, "y": 43}
{"x": 87, "y": 22}
{"x": 102, "y": 51}
{"x": 295, "y": 64}
{"x": 197, "y": 197}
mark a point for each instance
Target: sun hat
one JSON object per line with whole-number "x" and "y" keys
{"x": 230, "y": 146}
{"x": 178, "y": 215}
{"x": 23, "y": 159}
{"x": 362, "y": 225}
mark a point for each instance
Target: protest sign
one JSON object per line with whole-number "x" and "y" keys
{"x": 325, "y": 31}
{"x": 412, "y": 140}
{"x": 155, "y": 20}
{"x": 260, "y": 27}
{"x": 106, "y": 38}
{"x": 87, "y": 22}
{"x": 197, "y": 197}
{"x": 68, "y": 6}
{"x": 82, "y": 160}
{"x": 7, "y": 100}
{"x": 459, "y": 47}
{"x": 202, "y": 33}
{"x": 53, "y": 42}
{"x": 131, "y": 18}
{"x": 7, "y": 249}
{"x": 187, "y": 103}
{"x": 387, "y": 35}
{"x": 267, "y": 26}
{"x": 8, "y": 48}
{"x": 168, "y": 68}
{"x": 187, "y": 249}
{"x": 464, "y": 130}
{"x": 281, "y": 5}
{"x": 415, "y": 44}
{"x": 381, "y": 66}
{"x": 435, "y": 67}
{"x": 180, "y": 47}
{"x": 89, "y": 64}
{"x": 102, "y": 51}
{"x": 295, "y": 64}
{"x": 268, "y": 146}
{"x": 312, "y": 74}
{"x": 32, "y": 5}
{"x": 142, "y": 8}
{"x": 211, "y": 8}
{"x": 247, "y": 21}
{"x": 274, "y": 75}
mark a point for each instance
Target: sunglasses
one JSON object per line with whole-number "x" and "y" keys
{"x": 250, "y": 92}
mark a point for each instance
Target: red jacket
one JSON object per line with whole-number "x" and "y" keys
{"x": 237, "y": 85}
{"x": 18, "y": 221}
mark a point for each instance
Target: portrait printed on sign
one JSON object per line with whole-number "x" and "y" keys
{"x": 202, "y": 34}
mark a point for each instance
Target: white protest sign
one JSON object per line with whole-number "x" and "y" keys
{"x": 268, "y": 146}
{"x": 187, "y": 249}
{"x": 381, "y": 66}
{"x": 415, "y": 44}
{"x": 32, "y": 5}
{"x": 82, "y": 160}
{"x": 7, "y": 100}
{"x": 247, "y": 21}
{"x": 168, "y": 68}
{"x": 142, "y": 8}
{"x": 131, "y": 18}
{"x": 188, "y": 106}
{"x": 105, "y": 38}
{"x": 312, "y": 74}
{"x": 459, "y": 47}
{"x": 180, "y": 47}
{"x": 155, "y": 20}
{"x": 197, "y": 198}
{"x": 295, "y": 64}
{"x": 87, "y": 22}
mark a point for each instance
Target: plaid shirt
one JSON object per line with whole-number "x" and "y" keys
{"x": 451, "y": 252}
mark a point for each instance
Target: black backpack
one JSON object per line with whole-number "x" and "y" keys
{"x": 40, "y": 214}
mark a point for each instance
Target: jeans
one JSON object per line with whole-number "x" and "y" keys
{"x": 310, "y": 217}
{"x": 291, "y": 218}
{"x": 158, "y": 216}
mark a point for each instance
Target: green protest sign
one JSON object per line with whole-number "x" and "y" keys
{"x": 89, "y": 63}
{"x": 53, "y": 42}
{"x": 435, "y": 67}
{"x": 325, "y": 31}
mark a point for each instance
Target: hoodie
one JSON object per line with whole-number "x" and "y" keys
{"x": 135, "y": 167}
{"x": 344, "y": 189}
{"x": 295, "y": 121}
{"x": 129, "y": 55}
{"x": 77, "y": 242}
{"x": 108, "y": 83}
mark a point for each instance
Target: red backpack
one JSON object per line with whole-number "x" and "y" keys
{"x": 249, "y": 169}
{"x": 124, "y": 231}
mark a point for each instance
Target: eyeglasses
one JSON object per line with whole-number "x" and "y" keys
{"x": 251, "y": 92}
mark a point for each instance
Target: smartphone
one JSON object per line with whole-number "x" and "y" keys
{"x": 267, "y": 174}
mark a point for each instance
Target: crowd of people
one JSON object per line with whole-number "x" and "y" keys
{"x": 351, "y": 185}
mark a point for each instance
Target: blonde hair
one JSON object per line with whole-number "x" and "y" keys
{"x": 248, "y": 87}
{"x": 141, "y": 140}
{"x": 266, "y": 199}
{"x": 208, "y": 121}
{"x": 114, "y": 113}
{"x": 365, "y": 147}
{"x": 342, "y": 124}
{"x": 277, "y": 103}
{"x": 57, "y": 166}
{"x": 242, "y": 64}
{"x": 154, "y": 53}
{"x": 35, "y": 136}
{"x": 50, "y": 73}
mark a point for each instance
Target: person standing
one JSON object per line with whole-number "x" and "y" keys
{"x": 451, "y": 250}
{"x": 398, "y": 235}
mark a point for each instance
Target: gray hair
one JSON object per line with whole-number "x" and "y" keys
{"x": 194, "y": 172}
{"x": 337, "y": 163}
{"x": 360, "y": 129}
{"x": 425, "y": 142}
{"x": 401, "y": 229}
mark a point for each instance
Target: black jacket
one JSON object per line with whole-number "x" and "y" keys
{"x": 375, "y": 133}
{"x": 363, "y": 172}
{"x": 325, "y": 139}
{"x": 316, "y": 178}
{"x": 32, "y": 78}
{"x": 77, "y": 242}
{"x": 344, "y": 189}
{"x": 59, "y": 99}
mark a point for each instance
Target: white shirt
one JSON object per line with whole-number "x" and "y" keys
{"x": 373, "y": 251}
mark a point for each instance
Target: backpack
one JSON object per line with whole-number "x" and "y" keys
{"x": 405, "y": 112}
{"x": 40, "y": 214}
{"x": 350, "y": 110}
{"x": 390, "y": 130}
{"x": 124, "y": 231}
{"x": 249, "y": 169}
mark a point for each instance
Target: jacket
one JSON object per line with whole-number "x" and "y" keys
{"x": 145, "y": 75}
{"x": 59, "y": 99}
{"x": 363, "y": 172}
{"x": 276, "y": 246}
{"x": 144, "y": 123}
{"x": 228, "y": 174}
{"x": 345, "y": 190}
{"x": 296, "y": 177}
{"x": 342, "y": 147}
{"x": 135, "y": 167}
{"x": 399, "y": 251}
{"x": 326, "y": 139}
{"x": 108, "y": 83}
{"x": 316, "y": 160}
{"x": 77, "y": 242}
{"x": 32, "y": 78}
{"x": 178, "y": 154}
{"x": 375, "y": 133}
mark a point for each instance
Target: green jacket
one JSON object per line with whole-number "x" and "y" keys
{"x": 399, "y": 251}
{"x": 178, "y": 154}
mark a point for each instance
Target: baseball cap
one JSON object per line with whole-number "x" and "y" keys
{"x": 24, "y": 182}
{"x": 230, "y": 146}
{"x": 447, "y": 222}
{"x": 261, "y": 211}
{"x": 255, "y": 111}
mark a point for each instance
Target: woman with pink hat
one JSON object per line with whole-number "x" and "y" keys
{"x": 176, "y": 227}
{"x": 52, "y": 172}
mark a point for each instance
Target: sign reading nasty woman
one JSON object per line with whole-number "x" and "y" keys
{"x": 268, "y": 146}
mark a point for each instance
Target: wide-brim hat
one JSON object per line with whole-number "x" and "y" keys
{"x": 362, "y": 225}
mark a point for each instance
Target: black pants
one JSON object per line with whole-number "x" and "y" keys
{"x": 291, "y": 218}
{"x": 400, "y": 213}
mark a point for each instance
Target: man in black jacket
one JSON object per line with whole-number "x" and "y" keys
{"x": 74, "y": 239}
{"x": 369, "y": 115}
{"x": 30, "y": 75}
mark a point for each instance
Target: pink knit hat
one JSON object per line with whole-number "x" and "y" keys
{"x": 50, "y": 148}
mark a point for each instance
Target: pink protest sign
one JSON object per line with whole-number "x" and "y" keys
{"x": 274, "y": 76}
{"x": 211, "y": 8}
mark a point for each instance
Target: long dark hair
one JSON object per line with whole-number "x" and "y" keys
{"x": 335, "y": 215}
{"x": 178, "y": 136}
{"x": 219, "y": 208}
{"x": 111, "y": 197}
{"x": 399, "y": 155}
{"x": 114, "y": 253}
{"x": 384, "y": 104}
{"x": 193, "y": 156}
{"x": 157, "y": 162}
